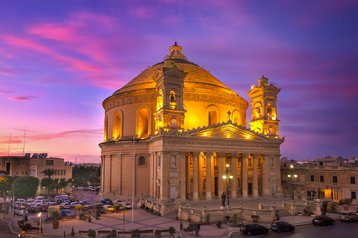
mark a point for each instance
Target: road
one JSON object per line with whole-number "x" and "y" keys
{"x": 309, "y": 231}
{"x": 5, "y": 231}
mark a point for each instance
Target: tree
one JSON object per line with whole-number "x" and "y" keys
{"x": 49, "y": 172}
{"x": 5, "y": 184}
{"x": 62, "y": 183}
{"x": 25, "y": 186}
{"x": 46, "y": 183}
{"x": 83, "y": 175}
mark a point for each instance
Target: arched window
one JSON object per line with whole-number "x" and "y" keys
{"x": 160, "y": 99}
{"x": 271, "y": 111}
{"x": 236, "y": 117}
{"x": 143, "y": 123}
{"x": 117, "y": 126}
{"x": 212, "y": 118}
{"x": 271, "y": 131}
{"x": 257, "y": 110}
{"x": 141, "y": 161}
{"x": 172, "y": 100}
{"x": 105, "y": 136}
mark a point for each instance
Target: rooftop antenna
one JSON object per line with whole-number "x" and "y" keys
{"x": 8, "y": 150}
{"x": 23, "y": 148}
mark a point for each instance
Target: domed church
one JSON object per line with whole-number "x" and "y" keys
{"x": 175, "y": 132}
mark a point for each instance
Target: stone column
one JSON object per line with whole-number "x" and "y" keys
{"x": 278, "y": 175}
{"x": 255, "y": 177}
{"x": 102, "y": 173}
{"x": 208, "y": 175}
{"x": 110, "y": 172}
{"x": 183, "y": 172}
{"x": 120, "y": 177}
{"x": 220, "y": 161}
{"x": 234, "y": 179}
{"x": 196, "y": 176}
{"x": 266, "y": 176}
{"x": 244, "y": 175}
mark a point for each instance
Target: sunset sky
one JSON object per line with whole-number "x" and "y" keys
{"x": 60, "y": 59}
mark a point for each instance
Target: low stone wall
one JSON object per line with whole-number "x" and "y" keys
{"x": 204, "y": 215}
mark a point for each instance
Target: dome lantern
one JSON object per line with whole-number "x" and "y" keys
{"x": 175, "y": 52}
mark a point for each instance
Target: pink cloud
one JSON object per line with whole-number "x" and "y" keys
{"x": 71, "y": 62}
{"x": 6, "y": 71}
{"x": 63, "y": 134}
{"x": 12, "y": 141}
{"x": 22, "y": 98}
{"x": 5, "y": 91}
{"x": 54, "y": 32}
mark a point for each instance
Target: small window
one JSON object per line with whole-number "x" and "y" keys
{"x": 64, "y": 172}
{"x": 249, "y": 162}
{"x": 353, "y": 195}
{"x": 335, "y": 179}
{"x": 49, "y": 162}
{"x": 353, "y": 180}
{"x": 312, "y": 178}
{"x": 173, "y": 161}
{"x": 141, "y": 161}
{"x": 321, "y": 178}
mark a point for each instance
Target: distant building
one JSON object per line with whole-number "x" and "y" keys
{"x": 27, "y": 165}
{"x": 331, "y": 178}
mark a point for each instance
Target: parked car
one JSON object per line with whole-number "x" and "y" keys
{"x": 106, "y": 201}
{"x": 348, "y": 216}
{"x": 67, "y": 213}
{"x": 109, "y": 208}
{"x": 253, "y": 229}
{"x": 280, "y": 226}
{"x": 21, "y": 211}
{"x": 323, "y": 221}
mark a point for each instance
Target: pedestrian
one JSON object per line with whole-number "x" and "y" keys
{"x": 223, "y": 198}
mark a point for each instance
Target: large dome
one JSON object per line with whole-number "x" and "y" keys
{"x": 196, "y": 76}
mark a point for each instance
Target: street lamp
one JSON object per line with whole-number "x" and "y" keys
{"x": 227, "y": 177}
{"x": 292, "y": 176}
{"x": 39, "y": 215}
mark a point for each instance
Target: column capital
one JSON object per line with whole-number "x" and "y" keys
{"x": 208, "y": 154}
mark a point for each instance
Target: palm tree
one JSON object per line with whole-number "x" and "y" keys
{"x": 49, "y": 172}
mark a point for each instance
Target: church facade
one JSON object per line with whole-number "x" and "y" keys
{"x": 177, "y": 132}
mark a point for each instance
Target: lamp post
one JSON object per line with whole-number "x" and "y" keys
{"x": 227, "y": 177}
{"x": 39, "y": 215}
{"x": 291, "y": 176}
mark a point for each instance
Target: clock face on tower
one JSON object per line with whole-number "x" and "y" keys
{"x": 173, "y": 122}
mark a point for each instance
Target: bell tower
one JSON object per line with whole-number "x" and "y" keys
{"x": 169, "y": 113}
{"x": 264, "y": 108}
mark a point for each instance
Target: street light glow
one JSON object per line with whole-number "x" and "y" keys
{"x": 224, "y": 176}
{"x": 227, "y": 165}
{"x": 291, "y": 166}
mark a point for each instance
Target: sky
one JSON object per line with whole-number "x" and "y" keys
{"x": 60, "y": 59}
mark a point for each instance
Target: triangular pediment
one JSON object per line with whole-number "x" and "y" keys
{"x": 228, "y": 131}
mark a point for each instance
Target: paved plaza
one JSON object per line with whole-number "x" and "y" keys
{"x": 146, "y": 220}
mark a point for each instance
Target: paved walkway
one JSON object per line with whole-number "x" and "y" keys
{"x": 145, "y": 220}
